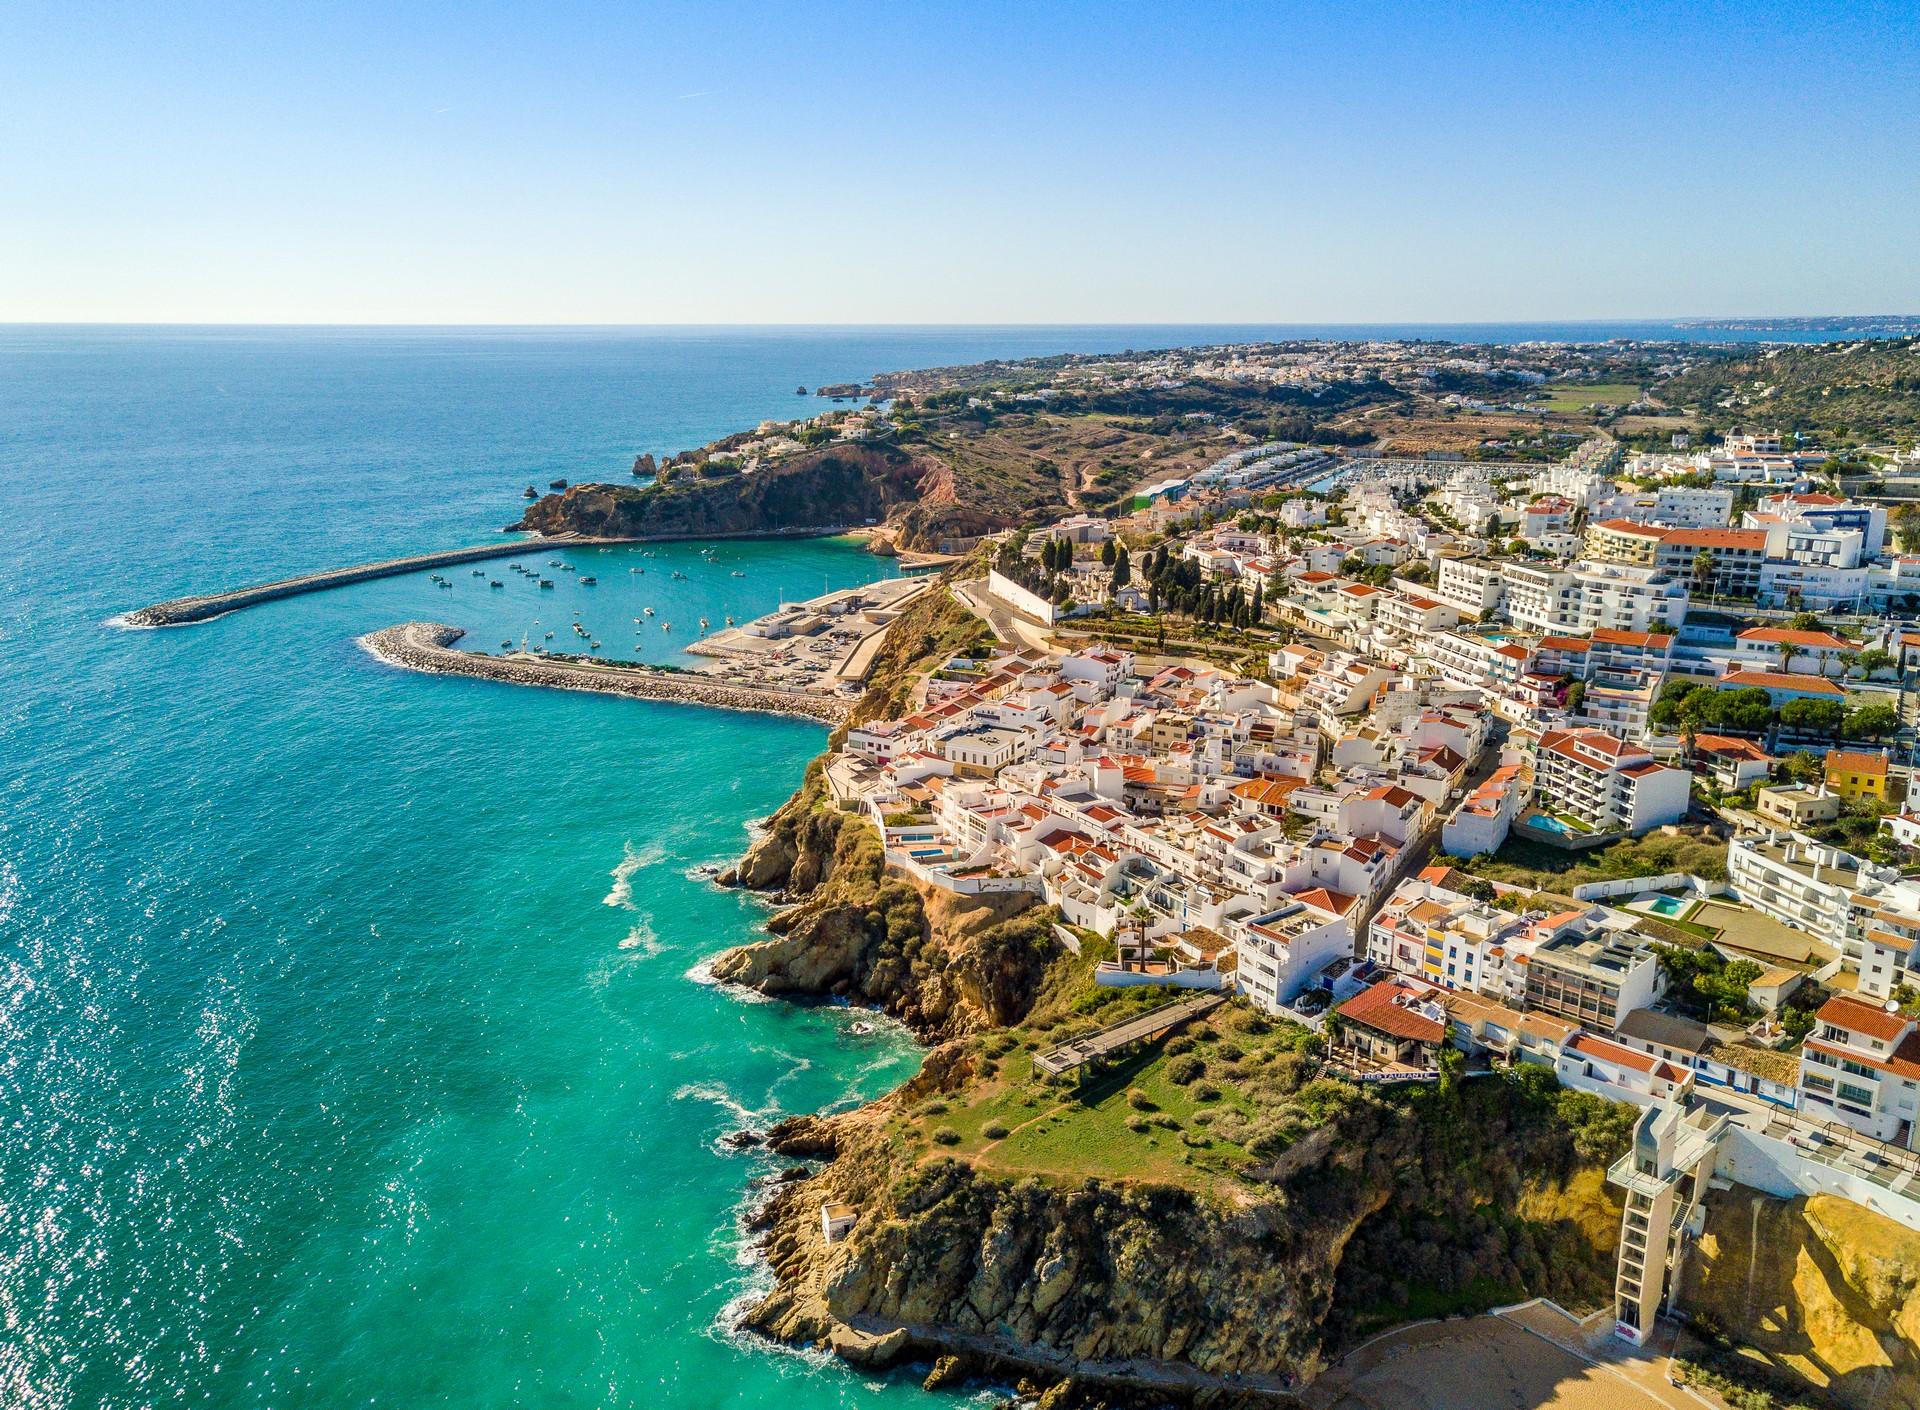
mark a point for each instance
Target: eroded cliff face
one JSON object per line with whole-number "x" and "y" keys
{"x": 833, "y": 487}
{"x": 1826, "y": 1292}
{"x": 1199, "y": 1294}
{"x": 943, "y": 964}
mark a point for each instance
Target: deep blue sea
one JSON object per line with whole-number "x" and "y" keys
{"x": 353, "y": 1049}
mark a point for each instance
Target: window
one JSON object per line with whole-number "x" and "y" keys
{"x": 1859, "y": 1096}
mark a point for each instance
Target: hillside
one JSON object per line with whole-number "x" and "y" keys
{"x": 1838, "y": 392}
{"x": 1243, "y": 1223}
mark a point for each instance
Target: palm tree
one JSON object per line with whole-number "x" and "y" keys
{"x": 1703, "y": 571}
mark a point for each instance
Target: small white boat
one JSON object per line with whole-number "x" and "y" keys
{"x": 647, "y": 610}
{"x": 666, "y": 626}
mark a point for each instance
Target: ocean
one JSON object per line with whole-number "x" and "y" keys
{"x": 353, "y": 1043}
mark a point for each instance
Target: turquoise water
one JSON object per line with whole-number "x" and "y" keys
{"x": 1667, "y": 905}
{"x": 352, "y": 1049}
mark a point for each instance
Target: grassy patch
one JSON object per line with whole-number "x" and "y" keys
{"x": 1579, "y": 396}
{"x": 1131, "y": 1120}
{"x": 1539, "y": 867}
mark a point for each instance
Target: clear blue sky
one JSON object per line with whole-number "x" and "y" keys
{"x": 1036, "y": 162}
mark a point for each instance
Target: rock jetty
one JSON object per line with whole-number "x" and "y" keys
{"x": 182, "y": 610}
{"x": 428, "y": 647}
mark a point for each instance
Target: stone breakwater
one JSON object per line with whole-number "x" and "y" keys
{"x": 182, "y": 610}
{"x": 428, "y": 647}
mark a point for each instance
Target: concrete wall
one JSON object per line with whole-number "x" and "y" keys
{"x": 1011, "y": 593}
{"x": 1634, "y": 885}
{"x": 1773, "y": 1165}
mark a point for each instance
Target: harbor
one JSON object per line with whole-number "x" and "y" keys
{"x": 181, "y": 611}
{"x": 825, "y": 644}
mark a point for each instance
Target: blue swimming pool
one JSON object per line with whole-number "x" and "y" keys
{"x": 1667, "y": 905}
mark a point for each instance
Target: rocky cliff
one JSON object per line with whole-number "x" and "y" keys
{"x": 943, "y": 964}
{"x": 1814, "y": 1291}
{"x": 1160, "y": 1285}
{"x": 833, "y": 487}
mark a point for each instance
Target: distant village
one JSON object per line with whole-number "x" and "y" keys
{"x": 1467, "y": 667}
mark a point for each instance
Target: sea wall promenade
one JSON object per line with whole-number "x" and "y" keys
{"x": 428, "y": 647}
{"x": 182, "y": 610}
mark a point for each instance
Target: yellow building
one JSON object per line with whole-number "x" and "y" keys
{"x": 1853, "y": 774}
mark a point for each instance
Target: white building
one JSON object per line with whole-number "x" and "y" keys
{"x": 1607, "y": 783}
{"x": 1861, "y": 1066}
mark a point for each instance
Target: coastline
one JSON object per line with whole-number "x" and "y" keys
{"x": 427, "y": 647}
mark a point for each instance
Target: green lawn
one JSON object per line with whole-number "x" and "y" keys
{"x": 1579, "y": 396}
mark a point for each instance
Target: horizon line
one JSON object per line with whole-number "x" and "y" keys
{"x": 1676, "y": 320}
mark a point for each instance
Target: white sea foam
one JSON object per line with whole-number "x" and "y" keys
{"x": 640, "y": 937}
{"x": 631, "y": 861}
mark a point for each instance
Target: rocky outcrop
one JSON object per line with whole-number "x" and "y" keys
{"x": 943, "y": 964}
{"x": 835, "y": 487}
{"x": 832, "y": 488}
{"x": 1150, "y": 1285}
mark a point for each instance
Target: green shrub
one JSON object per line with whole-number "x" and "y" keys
{"x": 993, "y": 1130}
{"x": 946, "y": 1136}
{"x": 1139, "y": 1100}
{"x": 1205, "y": 1092}
{"x": 1184, "y": 1069}
{"x": 936, "y": 1107}
{"x": 1138, "y": 1124}
{"x": 1179, "y": 1044}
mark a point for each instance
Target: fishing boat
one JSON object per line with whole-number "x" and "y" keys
{"x": 666, "y": 626}
{"x": 496, "y": 583}
{"x": 680, "y": 575}
{"x": 738, "y": 574}
{"x": 506, "y": 646}
{"x": 588, "y": 581}
{"x": 647, "y": 610}
{"x": 549, "y": 636}
{"x": 729, "y": 621}
{"x": 546, "y": 582}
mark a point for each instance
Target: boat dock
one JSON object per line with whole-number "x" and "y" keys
{"x": 182, "y": 610}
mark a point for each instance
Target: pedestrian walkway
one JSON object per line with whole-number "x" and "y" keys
{"x": 1104, "y": 1043}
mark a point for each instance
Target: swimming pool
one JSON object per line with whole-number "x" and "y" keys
{"x": 1667, "y": 905}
